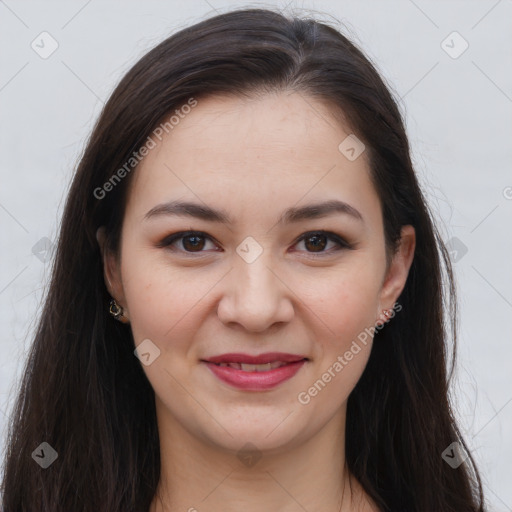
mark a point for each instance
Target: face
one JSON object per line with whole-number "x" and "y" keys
{"x": 268, "y": 274}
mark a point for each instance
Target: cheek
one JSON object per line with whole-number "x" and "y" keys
{"x": 146, "y": 302}
{"x": 343, "y": 342}
{"x": 163, "y": 302}
{"x": 146, "y": 291}
{"x": 346, "y": 304}
{"x": 161, "y": 308}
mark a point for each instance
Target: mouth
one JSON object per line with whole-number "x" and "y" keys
{"x": 255, "y": 372}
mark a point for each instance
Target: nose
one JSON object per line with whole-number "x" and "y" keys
{"x": 255, "y": 296}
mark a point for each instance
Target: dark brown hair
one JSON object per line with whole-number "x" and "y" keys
{"x": 84, "y": 392}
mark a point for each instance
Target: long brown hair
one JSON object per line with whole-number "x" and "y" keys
{"x": 84, "y": 392}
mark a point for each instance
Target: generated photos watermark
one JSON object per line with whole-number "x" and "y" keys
{"x": 137, "y": 156}
{"x": 304, "y": 397}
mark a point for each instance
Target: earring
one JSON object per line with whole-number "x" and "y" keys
{"x": 117, "y": 311}
{"x": 387, "y": 314}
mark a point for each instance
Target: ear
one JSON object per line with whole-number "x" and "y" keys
{"x": 398, "y": 271}
{"x": 111, "y": 269}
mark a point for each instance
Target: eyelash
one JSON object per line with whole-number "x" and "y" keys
{"x": 343, "y": 244}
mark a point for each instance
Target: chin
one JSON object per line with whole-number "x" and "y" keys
{"x": 265, "y": 437}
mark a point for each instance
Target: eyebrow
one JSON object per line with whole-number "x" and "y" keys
{"x": 291, "y": 215}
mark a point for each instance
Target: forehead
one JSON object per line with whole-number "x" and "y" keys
{"x": 235, "y": 153}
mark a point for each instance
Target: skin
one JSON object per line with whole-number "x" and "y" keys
{"x": 254, "y": 158}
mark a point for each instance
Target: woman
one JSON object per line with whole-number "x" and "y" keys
{"x": 246, "y": 308}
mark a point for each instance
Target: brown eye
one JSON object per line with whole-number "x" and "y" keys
{"x": 193, "y": 242}
{"x": 316, "y": 242}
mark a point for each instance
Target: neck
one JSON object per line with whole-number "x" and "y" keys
{"x": 197, "y": 475}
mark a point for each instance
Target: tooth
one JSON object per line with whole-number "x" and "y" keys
{"x": 249, "y": 367}
{"x": 263, "y": 367}
{"x": 246, "y": 367}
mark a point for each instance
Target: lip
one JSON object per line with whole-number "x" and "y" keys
{"x": 255, "y": 381}
{"x": 267, "y": 357}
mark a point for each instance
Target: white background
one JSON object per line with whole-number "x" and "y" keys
{"x": 457, "y": 110}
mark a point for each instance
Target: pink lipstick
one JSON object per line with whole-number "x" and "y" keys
{"x": 255, "y": 373}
